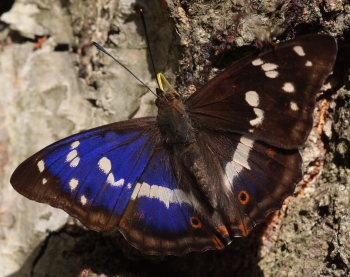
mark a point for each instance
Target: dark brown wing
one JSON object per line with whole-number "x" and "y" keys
{"x": 255, "y": 178}
{"x": 272, "y": 96}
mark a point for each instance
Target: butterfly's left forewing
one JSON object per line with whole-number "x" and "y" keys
{"x": 90, "y": 175}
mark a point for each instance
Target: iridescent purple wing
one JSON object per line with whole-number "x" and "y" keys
{"x": 118, "y": 176}
{"x": 87, "y": 174}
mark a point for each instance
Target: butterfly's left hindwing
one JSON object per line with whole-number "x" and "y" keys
{"x": 162, "y": 218}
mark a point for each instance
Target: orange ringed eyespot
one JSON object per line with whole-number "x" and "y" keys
{"x": 195, "y": 222}
{"x": 243, "y": 197}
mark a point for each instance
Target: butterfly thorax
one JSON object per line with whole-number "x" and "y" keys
{"x": 174, "y": 122}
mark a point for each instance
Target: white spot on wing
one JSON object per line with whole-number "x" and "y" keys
{"x": 112, "y": 182}
{"x": 105, "y": 165}
{"x": 271, "y": 74}
{"x": 83, "y": 200}
{"x": 71, "y": 155}
{"x": 154, "y": 192}
{"x": 299, "y": 50}
{"x": 110, "y": 179}
{"x": 74, "y": 144}
{"x": 294, "y": 106}
{"x": 308, "y": 63}
{"x": 239, "y": 160}
{"x": 241, "y": 155}
{"x": 252, "y": 98}
{"x": 73, "y": 183}
{"x": 163, "y": 194}
{"x": 129, "y": 185}
{"x": 288, "y": 87}
{"x": 44, "y": 181}
{"x": 257, "y": 62}
{"x": 119, "y": 183}
{"x": 259, "y": 117}
{"x": 75, "y": 162}
{"x": 269, "y": 66}
{"x": 247, "y": 141}
{"x": 41, "y": 165}
{"x": 135, "y": 191}
{"x": 144, "y": 190}
{"x": 141, "y": 190}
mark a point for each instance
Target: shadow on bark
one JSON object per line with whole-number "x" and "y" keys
{"x": 72, "y": 249}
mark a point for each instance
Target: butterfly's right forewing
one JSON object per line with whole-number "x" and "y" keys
{"x": 271, "y": 96}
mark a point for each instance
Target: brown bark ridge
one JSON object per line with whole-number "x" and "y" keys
{"x": 54, "y": 83}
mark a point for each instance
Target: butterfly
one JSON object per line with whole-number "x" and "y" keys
{"x": 206, "y": 169}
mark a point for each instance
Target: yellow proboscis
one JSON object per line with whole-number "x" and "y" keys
{"x": 167, "y": 88}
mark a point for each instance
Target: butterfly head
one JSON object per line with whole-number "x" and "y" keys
{"x": 165, "y": 95}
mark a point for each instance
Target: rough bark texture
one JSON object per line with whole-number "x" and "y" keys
{"x": 53, "y": 83}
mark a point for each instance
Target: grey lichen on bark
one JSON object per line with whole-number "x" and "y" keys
{"x": 63, "y": 85}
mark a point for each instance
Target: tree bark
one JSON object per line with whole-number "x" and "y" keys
{"x": 54, "y": 83}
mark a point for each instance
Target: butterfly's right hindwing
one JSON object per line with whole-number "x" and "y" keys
{"x": 255, "y": 177}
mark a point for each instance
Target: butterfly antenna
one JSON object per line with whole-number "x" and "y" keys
{"x": 99, "y": 47}
{"x": 148, "y": 45}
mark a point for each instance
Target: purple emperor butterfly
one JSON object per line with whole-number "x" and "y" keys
{"x": 205, "y": 170}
